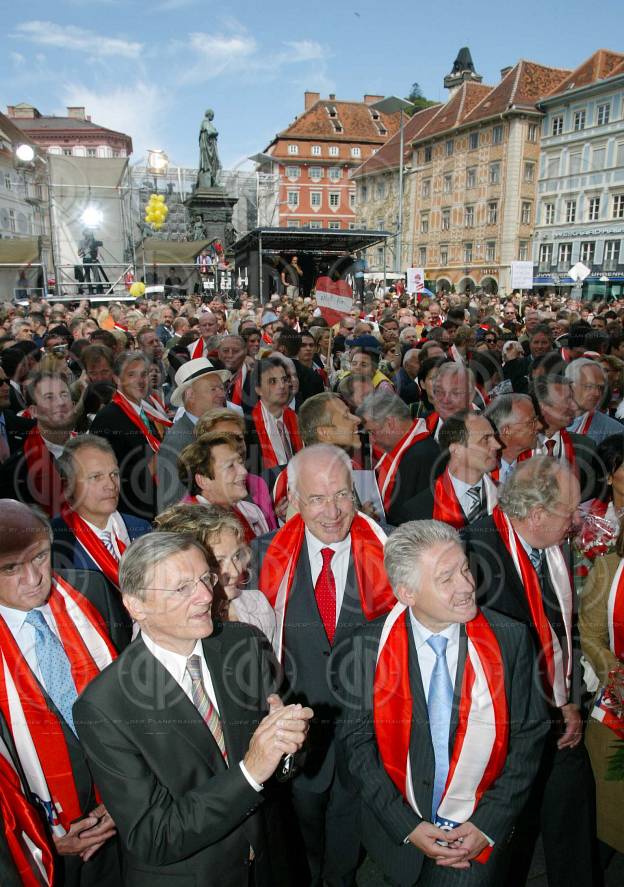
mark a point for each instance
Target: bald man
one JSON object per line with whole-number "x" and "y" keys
{"x": 56, "y": 633}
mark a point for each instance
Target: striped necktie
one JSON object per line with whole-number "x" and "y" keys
{"x": 439, "y": 707}
{"x": 107, "y": 539}
{"x": 202, "y": 703}
{"x": 54, "y": 666}
{"x": 474, "y": 494}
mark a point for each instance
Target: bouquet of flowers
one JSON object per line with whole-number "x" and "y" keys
{"x": 613, "y": 702}
{"x": 596, "y": 535}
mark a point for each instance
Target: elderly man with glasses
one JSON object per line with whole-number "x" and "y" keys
{"x": 177, "y": 736}
{"x": 323, "y": 573}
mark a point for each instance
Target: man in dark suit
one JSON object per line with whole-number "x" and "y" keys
{"x": 13, "y": 429}
{"x": 182, "y": 754}
{"x": 332, "y": 558}
{"x": 132, "y": 435}
{"x": 232, "y": 352}
{"x": 521, "y": 572}
{"x": 464, "y": 490}
{"x": 410, "y": 681}
{"x": 47, "y": 654}
{"x": 310, "y": 382}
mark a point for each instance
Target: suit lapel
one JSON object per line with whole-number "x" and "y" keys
{"x": 221, "y": 674}
{"x": 422, "y": 760}
{"x": 459, "y": 677}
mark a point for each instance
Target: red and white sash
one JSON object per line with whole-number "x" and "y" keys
{"x": 482, "y": 737}
{"x": 615, "y": 620}
{"x": 156, "y": 410}
{"x": 555, "y": 667}
{"x": 289, "y": 417}
{"x": 251, "y": 518}
{"x": 126, "y": 407}
{"x": 36, "y": 730}
{"x": 446, "y": 505}
{"x": 585, "y": 423}
{"x": 44, "y": 481}
{"x": 93, "y": 545}
{"x": 236, "y": 393}
{"x": 196, "y": 349}
{"x": 23, "y": 828}
{"x": 566, "y": 450}
{"x": 388, "y": 466}
{"x": 431, "y": 421}
{"x": 281, "y": 558}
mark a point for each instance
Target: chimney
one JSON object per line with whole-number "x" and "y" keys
{"x": 23, "y": 112}
{"x": 76, "y": 112}
{"x": 310, "y": 99}
{"x": 505, "y": 71}
{"x": 371, "y": 99}
{"x": 332, "y": 96}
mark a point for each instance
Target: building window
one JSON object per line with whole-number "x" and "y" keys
{"x": 356, "y": 151}
{"x": 490, "y": 251}
{"x": 334, "y": 173}
{"x": 471, "y": 177}
{"x": 467, "y": 253}
{"x": 381, "y": 224}
{"x": 545, "y": 256}
{"x": 497, "y": 135}
{"x": 363, "y": 193}
{"x": 557, "y": 125}
{"x": 292, "y": 223}
{"x": 67, "y": 152}
{"x": 611, "y": 255}
{"x": 293, "y": 172}
{"x": 427, "y": 153}
{"x": 334, "y": 226}
{"x": 565, "y": 256}
{"x": 8, "y": 184}
{"x": 549, "y": 213}
{"x": 523, "y": 251}
{"x": 316, "y": 150}
{"x": 447, "y": 185}
{"x": 426, "y": 188}
{"x": 334, "y": 199}
{"x": 618, "y": 206}
{"x": 352, "y": 199}
{"x": 570, "y": 210}
{"x": 532, "y": 132}
{"x": 529, "y": 172}
{"x": 91, "y": 152}
{"x": 575, "y": 163}
{"x": 552, "y": 166}
{"x": 598, "y": 158}
{"x": 525, "y": 213}
{"x": 449, "y": 147}
{"x": 422, "y": 256}
{"x": 12, "y": 226}
{"x": 334, "y": 151}
{"x": 603, "y": 114}
{"x": 494, "y": 173}
{"x": 588, "y": 249}
{"x": 352, "y": 226}
{"x": 316, "y": 198}
{"x": 593, "y": 213}
{"x": 293, "y": 149}
{"x": 579, "y": 120}
{"x": 492, "y": 213}
{"x": 293, "y": 198}
{"x": 444, "y": 254}
{"x": 314, "y": 225}
{"x": 473, "y": 141}
{"x": 424, "y": 223}
{"x": 446, "y": 219}
{"x": 381, "y": 190}
{"x": 316, "y": 173}
{"x": 469, "y": 216}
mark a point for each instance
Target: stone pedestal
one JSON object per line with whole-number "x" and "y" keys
{"x": 210, "y": 215}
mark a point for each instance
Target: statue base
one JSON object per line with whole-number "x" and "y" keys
{"x": 210, "y": 215}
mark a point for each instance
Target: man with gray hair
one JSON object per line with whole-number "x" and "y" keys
{"x": 323, "y": 574}
{"x": 517, "y": 424}
{"x": 522, "y": 572}
{"x": 588, "y": 384}
{"x": 411, "y": 455}
{"x": 182, "y": 755}
{"x": 417, "y": 771}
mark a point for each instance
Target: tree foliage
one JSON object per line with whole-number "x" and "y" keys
{"x": 416, "y": 97}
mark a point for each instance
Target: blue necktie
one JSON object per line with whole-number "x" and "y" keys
{"x": 439, "y": 706}
{"x": 54, "y": 666}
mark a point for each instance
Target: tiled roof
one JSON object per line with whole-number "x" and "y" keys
{"x": 602, "y": 64}
{"x": 522, "y": 87}
{"x": 354, "y": 117}
{"x": 455, "y": 111}
{"x": 55, "y": 124}
{"x": 387, "y": 157}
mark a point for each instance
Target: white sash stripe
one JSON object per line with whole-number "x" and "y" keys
{"x": 419, "y": 428}
{"x": 611, "y": 604}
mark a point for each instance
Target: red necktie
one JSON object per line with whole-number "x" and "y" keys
{"x": 325, "y": 594}
{"x": 550, "y": 447}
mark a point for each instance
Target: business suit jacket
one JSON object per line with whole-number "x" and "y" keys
{"x": 418, "y": 469}
{"x": 589, "y": 469}
{"x": 134, "y": 456}
{"x": 184, "y": 818}
{"x": 170, "y": 487}
{"x": 387, "y": 818}
{"x": 420, "y": 507}
{"x": 17, "y": 428}
{"x": 310, "y": 383}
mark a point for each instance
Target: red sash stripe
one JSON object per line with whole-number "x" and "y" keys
{"x": 269, "y": 459}
{"x": 126, "y": 408}
{"x": 93, "y": 545}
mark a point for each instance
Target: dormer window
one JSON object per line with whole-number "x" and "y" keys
{"x": 331, "y": 110}
{"x": 338, "y": 126}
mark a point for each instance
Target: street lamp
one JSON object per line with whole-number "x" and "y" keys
{"x": 157, "y": 161}
{"x": 25, "y": 153}
{"x": 390, "y": 105}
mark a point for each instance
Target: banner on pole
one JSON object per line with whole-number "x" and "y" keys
{"x": 522, "y": 275}
{"x": 415, "y": 280}
{"x": 334, "y": 298}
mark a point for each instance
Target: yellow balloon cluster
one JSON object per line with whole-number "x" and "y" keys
{"x": 156, "y": 211}
{"x": 137, "y": 289}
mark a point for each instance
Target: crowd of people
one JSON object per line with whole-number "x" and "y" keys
{"x": 279, "y": 594}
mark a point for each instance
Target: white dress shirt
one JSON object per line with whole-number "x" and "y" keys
{"x": 270, "y": 423}
{"x": 505, "y": 469}
{"x": 115, "y": 527}
{"x": 54, "y": 449}
{"x": 558, "y": 451}
{"x": 426, "y": 655}
{"x": 339, "y": 563}
{"x": 25, "y": 634}
{"x": 461, "y": 491}
{"x": 175, "y": 663}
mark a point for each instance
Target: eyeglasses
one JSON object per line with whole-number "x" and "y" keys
{"x": 187, "y": 590}
{"x": 340, "y": 498}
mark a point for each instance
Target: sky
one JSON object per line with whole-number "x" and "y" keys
{"x": 151, "y": 69}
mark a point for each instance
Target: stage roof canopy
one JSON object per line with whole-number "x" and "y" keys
{"x": 308, "y": 240}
